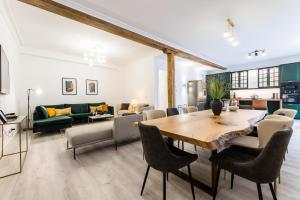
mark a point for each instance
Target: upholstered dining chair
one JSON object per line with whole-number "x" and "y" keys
{"x": 189, "y": 109}
{"x": 265, "y": 129}
{"x": 286, "y": 112}
{"x": 163, "y": 157}
{"x": 154, "y": 114}
{"x": 261, "y": 169}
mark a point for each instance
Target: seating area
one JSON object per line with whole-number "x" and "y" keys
{"x": 149, "y": 100}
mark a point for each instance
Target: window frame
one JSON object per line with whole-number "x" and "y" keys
{"x": 238, "y": 79}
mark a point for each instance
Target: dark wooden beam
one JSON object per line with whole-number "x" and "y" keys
{"x": 65, "y": 11}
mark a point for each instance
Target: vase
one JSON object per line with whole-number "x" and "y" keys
{"x": 216, "y": 107}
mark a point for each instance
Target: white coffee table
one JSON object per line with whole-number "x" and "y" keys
{"x": 98, "y": 117}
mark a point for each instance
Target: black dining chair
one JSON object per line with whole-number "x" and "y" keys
{"x": 261, "y": 169}
{"x": 162, "y": 157}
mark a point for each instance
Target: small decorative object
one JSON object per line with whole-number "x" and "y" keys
{"x": 69, "y": 86}
{"x": 217, "y": 90}
{"x": 233, "y": 105}
{"x": 91, "y": 87}
{"x": 3, "y": 117}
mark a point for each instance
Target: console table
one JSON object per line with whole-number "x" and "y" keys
{"x": 18, "y": 122}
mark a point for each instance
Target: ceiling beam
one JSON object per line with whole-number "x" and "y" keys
{"x": 65, "y": 11}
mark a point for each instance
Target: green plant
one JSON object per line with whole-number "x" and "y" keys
{"x": 216, "y": 88}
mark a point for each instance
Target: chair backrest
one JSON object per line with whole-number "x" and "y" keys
{"x": 154, "y": 114}
{"x": 266, "y": 167}
{"x": 189, "y": 109}
{"x": 267, "y": 127}
{"x": 155, "y": 149}
{"x": 286, "y": 112}
{"x": 172, "y": 111}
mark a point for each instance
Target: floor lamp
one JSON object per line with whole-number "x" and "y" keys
{"x": 29, "y": 92}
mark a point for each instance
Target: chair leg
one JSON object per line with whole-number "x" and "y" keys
{"x": 260, "y": 196}
{"x": 164, "y": 187}
{"x": 178, "y": 143}
{"x": 272, "y": 191}
{"x": 195, "y": 147}
{"x": 216, "y": 184}
{"x": 191, "y": 180}
{"x": 74, "y": 153}
{"x": 232, "y": 180}
{"x": 145, "y": 179}
{"x": 182, "y": 144}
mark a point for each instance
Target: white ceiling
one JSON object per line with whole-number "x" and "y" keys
{"x": 41, "y": 30}
{"x": 198, "y": 25}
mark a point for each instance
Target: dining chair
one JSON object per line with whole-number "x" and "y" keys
{"x": 154, "y": 114}
{"x": 286, "y": 112}
{"x": 189, "y": 109}
{"x": 265, "y": 129}
{"x": 163, "y": 157}
{"x": 261, "y": 169}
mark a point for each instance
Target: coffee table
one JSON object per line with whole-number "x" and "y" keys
{"x": 98, "y": 117}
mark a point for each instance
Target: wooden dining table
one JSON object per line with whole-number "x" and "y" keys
{"x": 207, "y": 131}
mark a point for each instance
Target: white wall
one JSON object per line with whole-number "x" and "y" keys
{"x": 46, "y": 74}
{"x": 10, "y": 46}
{"x": 137, "y": 81}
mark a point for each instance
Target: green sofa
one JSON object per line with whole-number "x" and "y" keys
{"x": 80, "y": 114}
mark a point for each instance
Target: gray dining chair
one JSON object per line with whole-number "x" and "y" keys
{"x": 263, "y": 168}
{"x": 163, "y": 157}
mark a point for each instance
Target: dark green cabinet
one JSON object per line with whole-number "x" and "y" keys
{"x": 290, "y": 72}
{"x": 294, "y": 107}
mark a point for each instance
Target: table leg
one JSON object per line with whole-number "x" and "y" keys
{"x": 170, "y": 141}
{"x": 213, "y": 170}
{"x": 2, "y": 148}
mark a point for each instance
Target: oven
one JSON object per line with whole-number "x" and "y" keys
{"x": 290, "y": 92}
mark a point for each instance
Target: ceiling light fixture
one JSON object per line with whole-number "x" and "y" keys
{"x": 94, "y": 56}
{"x": 228, "y": 34}
{"x": 256, "y": 53}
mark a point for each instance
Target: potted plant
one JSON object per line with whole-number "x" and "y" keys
{"x": 217, "y": 90}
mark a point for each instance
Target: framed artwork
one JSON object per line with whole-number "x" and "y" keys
{"x": 3, "y": 117}
{"x": 69, "y": 86}
{"x": 91, "y": 87}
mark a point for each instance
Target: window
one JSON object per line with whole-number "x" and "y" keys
{"x": 239, "y": 80}
{"x": 268, "y": 77}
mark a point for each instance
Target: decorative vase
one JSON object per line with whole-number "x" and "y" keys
{"x": 216, "y": 107}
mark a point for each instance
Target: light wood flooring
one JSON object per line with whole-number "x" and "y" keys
{"x": 101, "y": 173}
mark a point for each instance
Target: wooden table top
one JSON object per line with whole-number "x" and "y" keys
{"x": 203, "y": 129}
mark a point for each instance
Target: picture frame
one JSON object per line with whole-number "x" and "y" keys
{"x": 69, "y": 86}
{"x": 3, "y": 117}
{"x": 91, "y": 87}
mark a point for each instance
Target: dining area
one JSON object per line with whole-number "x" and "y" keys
{"x": 249, "y": 144}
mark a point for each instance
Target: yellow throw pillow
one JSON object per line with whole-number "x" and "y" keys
{"x": 63, "y": 112}
{"x": 51, "y": 112}
{"x": 93, "y": 109}
{"x": 102, "y": 108}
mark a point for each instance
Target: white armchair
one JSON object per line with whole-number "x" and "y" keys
{"x": 286, "y": 112}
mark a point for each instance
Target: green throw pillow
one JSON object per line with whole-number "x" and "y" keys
{"x": 45, "y": 112}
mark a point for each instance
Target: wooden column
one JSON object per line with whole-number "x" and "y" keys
{"x": 171, "y": 79}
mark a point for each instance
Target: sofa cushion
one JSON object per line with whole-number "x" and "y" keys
{"x": 53, "y": 121}
{"x": 95, "y": 105}
{"x": 85, "y": 134}
{"x": 80, "y": 115}
{"x": 124, "y": 106}
{"x": 78, "y": 108}
{"x": 63, "y": 112}
{"x": 51, "y": 112}
{"x": 42, "y": 112}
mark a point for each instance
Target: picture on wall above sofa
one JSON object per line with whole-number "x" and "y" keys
{"x": 91, "y": 87}
{"x": 69, "y": 86}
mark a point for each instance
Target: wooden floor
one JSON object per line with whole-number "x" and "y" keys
{"x": 102, "y": 173}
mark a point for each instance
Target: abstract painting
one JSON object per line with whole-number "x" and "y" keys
{"x": 69, "y": 86}
{"x": 91, "y": 87}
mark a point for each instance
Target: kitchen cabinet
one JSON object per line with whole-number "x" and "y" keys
{"x": 290, "y": 72}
